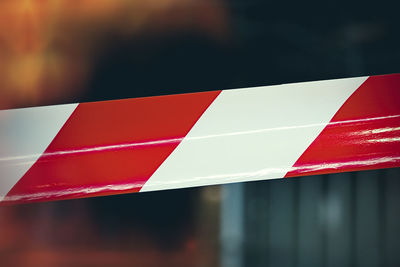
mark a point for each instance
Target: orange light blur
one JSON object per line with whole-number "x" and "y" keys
{"x": 48, "y": 47}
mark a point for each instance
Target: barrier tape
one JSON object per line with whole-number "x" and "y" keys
{"x": 175, "y": 141}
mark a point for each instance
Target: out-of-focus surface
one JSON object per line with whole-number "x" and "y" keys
{"x": 170, "y": 228}
{"x": 59, "y": 51}
{"x": 48, "y": 49}
{"x": 63, "y": 51}
{"x": 348, "y": 219}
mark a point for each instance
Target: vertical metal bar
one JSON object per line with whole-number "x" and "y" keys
{"x": 367, "y": 230}
{"x": 336, "y": 214}
{"x": 310, "y": 227}
{"x": 282, "y": 223}
{"x": 392, "y": 221}
{"x": 257, "y": 219}
{"x": 232, "y": 225}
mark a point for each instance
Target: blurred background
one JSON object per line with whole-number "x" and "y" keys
{"x": 65, "y": 51}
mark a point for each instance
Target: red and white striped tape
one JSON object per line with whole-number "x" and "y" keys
{"x": 165, "y": 142}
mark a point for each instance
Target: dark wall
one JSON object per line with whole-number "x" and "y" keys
{"x": 348, "y": 219}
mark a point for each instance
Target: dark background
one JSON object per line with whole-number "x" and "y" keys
{"x": 333, "y": 220}
{"x": 267, "y": 42}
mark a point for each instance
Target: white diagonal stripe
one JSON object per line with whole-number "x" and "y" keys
{"x": 252, "y": 134}
{"x": 24, "y": 136}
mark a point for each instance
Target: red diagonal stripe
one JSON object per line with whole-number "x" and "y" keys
{"x": 363, "y": 134}
{"x": 112, "y": 145}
